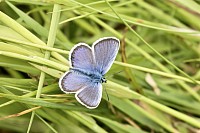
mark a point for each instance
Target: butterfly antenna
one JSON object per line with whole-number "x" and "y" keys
{"x": 114, "y": 74}
{"x": 106, "y": 94}
{"x": 118, "y": 72}
{"x": 108, "y": 77}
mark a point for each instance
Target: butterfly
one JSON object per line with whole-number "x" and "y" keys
{"x": 88, "y": 66}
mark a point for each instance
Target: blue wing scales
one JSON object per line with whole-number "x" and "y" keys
{"x": 105, "y": 51}
{"x": 72, "y": 81}
{"x": 90, "y": 95}
{"x": 81, "y": 57}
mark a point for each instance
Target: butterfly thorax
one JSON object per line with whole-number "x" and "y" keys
{"x": 95, "y": 76}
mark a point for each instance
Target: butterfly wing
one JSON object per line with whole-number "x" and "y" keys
{"x": 105, "y": 51}
{"x": 90, "y": 95}
{"x": 72, "y": 81}
{"x": 81, "y": 57}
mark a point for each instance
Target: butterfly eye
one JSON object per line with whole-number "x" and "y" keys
{"x": 103, "y": 80}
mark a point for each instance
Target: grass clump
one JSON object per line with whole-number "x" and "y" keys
{"x": 157, "y": 90}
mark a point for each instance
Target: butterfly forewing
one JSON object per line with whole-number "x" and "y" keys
{"x": 81, "y": 57}
{"x": 105, "y": 51}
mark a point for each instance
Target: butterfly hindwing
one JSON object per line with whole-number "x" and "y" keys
{"x": 90, "y": 95}
{"x": 87, "y": 93}
{"x": 72, "y": 81}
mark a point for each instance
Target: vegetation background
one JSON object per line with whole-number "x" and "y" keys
{"x": 153, "y": 86}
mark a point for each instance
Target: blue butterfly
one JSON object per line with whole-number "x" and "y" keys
{"x": 87, "y": 69}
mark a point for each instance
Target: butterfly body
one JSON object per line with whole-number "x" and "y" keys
{"x": 95, "y": 77}
{"x": 88, "y": 65}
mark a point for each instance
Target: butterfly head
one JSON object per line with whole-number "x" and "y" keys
{"x": 103, "y": 80}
